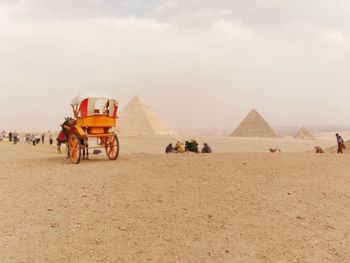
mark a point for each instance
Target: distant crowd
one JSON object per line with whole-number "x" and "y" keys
{"x": 29, "y": 138}
{"x": 188, "y": 146}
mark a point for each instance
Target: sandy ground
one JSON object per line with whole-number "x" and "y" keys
{"x": 225, "y": 144}
{"x": 225, "y": 207}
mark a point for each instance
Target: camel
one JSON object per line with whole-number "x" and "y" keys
{"x": 319, "y": 149}
{"x": 275, "y": 150}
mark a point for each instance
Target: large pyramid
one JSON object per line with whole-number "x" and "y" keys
{"x": 304, "y": 134}
{"x": 254, "y": 125}
{"x": 138, "y": 119}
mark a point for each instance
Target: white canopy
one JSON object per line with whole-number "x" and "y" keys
{"x": 93, "y": 95}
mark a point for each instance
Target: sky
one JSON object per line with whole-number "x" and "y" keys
{"x": 200, "y": 64}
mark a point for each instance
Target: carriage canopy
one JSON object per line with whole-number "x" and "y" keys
{"x": 88, "y": 104}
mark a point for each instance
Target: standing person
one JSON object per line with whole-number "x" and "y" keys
{"x": 15, "y": 137}
{"x": 37, "y": 138}
{"x": 2, "y": 135}
{"x": 10, "y": 137}
{"x": 341, "y": 144}
{"x": 50, "y": 138}
{"x": 43, "y": 138}
{"x": 32, "y": 137}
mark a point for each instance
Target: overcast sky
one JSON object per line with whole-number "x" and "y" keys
{"x": 201, "y": 64}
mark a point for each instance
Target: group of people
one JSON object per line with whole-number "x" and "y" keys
{"x": 188, "y": 146}
{"x": 33, "y": 138}
{"x": 37, "y": 139}
{"x": 11, "y": 136}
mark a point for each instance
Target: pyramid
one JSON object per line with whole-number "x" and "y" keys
{"x": 138, "y": 119}
{"x": 304, "y": 134}
{"x": 254, "y": 125}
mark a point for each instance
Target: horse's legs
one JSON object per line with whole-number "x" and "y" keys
{"x": 86, "y": 149}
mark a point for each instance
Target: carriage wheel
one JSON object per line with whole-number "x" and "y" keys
{"x": 112, "y": 147}
{"x": 74, "y": 149}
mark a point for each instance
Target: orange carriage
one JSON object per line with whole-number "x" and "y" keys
{"x": 96, "y": 116}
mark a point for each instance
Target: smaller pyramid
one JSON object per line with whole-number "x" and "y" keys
{"x": 254, "y": 125}
{"x": 138, "y": 119}
{"x": 304, "y": 134}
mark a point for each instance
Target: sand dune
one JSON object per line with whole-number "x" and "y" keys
{"x": 228, "y": 207}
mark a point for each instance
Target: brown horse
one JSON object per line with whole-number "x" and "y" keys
{"x": 63, "y": 136}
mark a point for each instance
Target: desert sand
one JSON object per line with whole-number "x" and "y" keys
{"x": 151, "y": 207}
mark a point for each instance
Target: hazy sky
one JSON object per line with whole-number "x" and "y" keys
{"x": 201, "y": 64}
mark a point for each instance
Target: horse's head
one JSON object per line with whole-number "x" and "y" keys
{"x": 70, "y": 121}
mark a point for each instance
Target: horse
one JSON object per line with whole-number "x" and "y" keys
{"x": 63, "y": 136}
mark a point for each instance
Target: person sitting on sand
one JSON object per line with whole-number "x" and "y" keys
{"x": 169, "y": 148}
{"x": 319, "y": 149}
{"x": 180, "y": 147}
{"x": 192, "y": 146}
{"x": 206, "y": 149}
{"x": 341, "y": 144}
{"x": 187, "y": 143}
